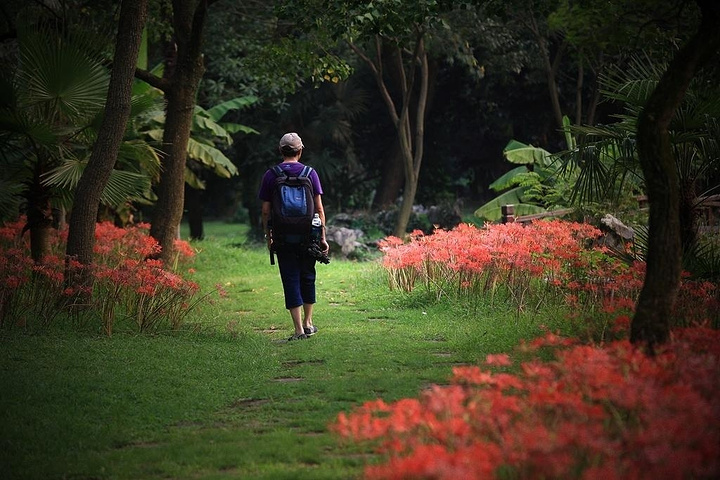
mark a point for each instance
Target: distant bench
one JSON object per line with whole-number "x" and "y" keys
{"x": 508, "y": 214}
{"x": 709, "y": 208}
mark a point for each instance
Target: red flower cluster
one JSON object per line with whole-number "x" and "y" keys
{"x": 468, "y": 256}
{"x": 125, "y": 279}
{"x": 531, "y": 263}
{"x": 605, "y": 412}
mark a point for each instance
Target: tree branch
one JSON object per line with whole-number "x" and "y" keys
{"x": 377, "y": 73}
{"x": 153, "y": 80}
{"x": 422, "y": 105}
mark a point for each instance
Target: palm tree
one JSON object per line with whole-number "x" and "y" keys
{"x": 608, "y": 157}
{"x": 52, "y": 104}
{"x": 50, "y": 100}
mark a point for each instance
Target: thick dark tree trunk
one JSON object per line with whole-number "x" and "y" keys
{"x": 39, "y": 222}
{"x": 651, "y": 323}
{"x": 688, "y": 215}
{"x": 194, "y": 209}
{"x": 39, "y": 213}
{"x": 81, "y": 234}
{"x": 180, "y": 89}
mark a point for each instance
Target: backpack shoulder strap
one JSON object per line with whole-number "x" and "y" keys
{"x": 279, "y": 172}
{"x": 305, "y": 171}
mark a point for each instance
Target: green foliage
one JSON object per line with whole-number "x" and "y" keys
{"x": 52, "y": 106}
{"x": 702, "y": 259}
{"x": 607, "y": 154}
{"x": 530, "y": 191}
{"x": 207, "y": 136}
{"x": 619, "y": 24}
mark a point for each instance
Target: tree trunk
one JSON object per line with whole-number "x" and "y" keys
{"x": 688, "y": 214}
{"x": 391, "y": 181}
{"x": 651, "y": 323}
{"x": 406, "y": 207}
{"x": 40, "y": 226}
{"x": 39, "y": 216}
{"x": 189, "y": 22}
{"x": 81, "y": 234}
{"x": 411, "y": 135}
{"x": 194, "y": 208}
{"x": 550, "y": 66}
{"x": 412, "y": 139}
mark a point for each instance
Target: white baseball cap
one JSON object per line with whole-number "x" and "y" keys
{"x": 291, "y": 140}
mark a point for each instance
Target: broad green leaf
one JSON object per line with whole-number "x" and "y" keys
{"x": 491, "y": 210}
{"x": 510, "y": 179}
{"x": 211, "y": 157}
{"x": 518, "y": 152}
{"x": 193, "y": 180}
{"x": 207, "y": 126}
{"x": 219, "y": 111}
{"x": 156, "y": 134}
{"x": 237, "y": 127}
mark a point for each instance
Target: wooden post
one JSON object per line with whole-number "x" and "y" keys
{"x": 508, "y": 213}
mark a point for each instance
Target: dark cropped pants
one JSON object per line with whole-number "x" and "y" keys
{"x": 297, "y": 271}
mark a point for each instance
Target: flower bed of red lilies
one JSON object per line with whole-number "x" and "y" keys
{"x": 127, "y": 283}
{"x": 555, "y": 407}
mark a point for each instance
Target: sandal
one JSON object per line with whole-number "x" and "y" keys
{"x": 297, "y": 336}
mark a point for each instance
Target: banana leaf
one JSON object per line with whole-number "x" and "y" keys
{"x": 219, "y": 111}
{"x": 212, "y": 158}
{"x": 520, "y": 153}
{"x": 508, "y": 180}
{"x": 491, "y": 211}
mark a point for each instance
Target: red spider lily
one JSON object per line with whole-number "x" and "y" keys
{"x": 529, "y": 263}
{"x": 124, "y": 279}
{"x": 606, "y": 412}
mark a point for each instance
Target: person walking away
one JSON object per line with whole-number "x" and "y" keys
{"x": 288, "y": 235}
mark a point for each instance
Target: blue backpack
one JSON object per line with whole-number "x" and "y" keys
{"x": 293, "y": 206}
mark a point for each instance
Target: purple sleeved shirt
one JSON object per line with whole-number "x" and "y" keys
{"x": 291, "y": 168}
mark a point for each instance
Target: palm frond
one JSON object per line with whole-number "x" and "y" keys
{"x": 66, "y": 175}
{"x": 58, "y": 77}
{"x": 9, "y": 199}
{"x": 632, "y": 83}
{"x": 124, "y": 186}
{"x": 138, "y": 156}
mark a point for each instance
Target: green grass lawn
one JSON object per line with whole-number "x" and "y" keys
{"x": 228, "y": 396}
